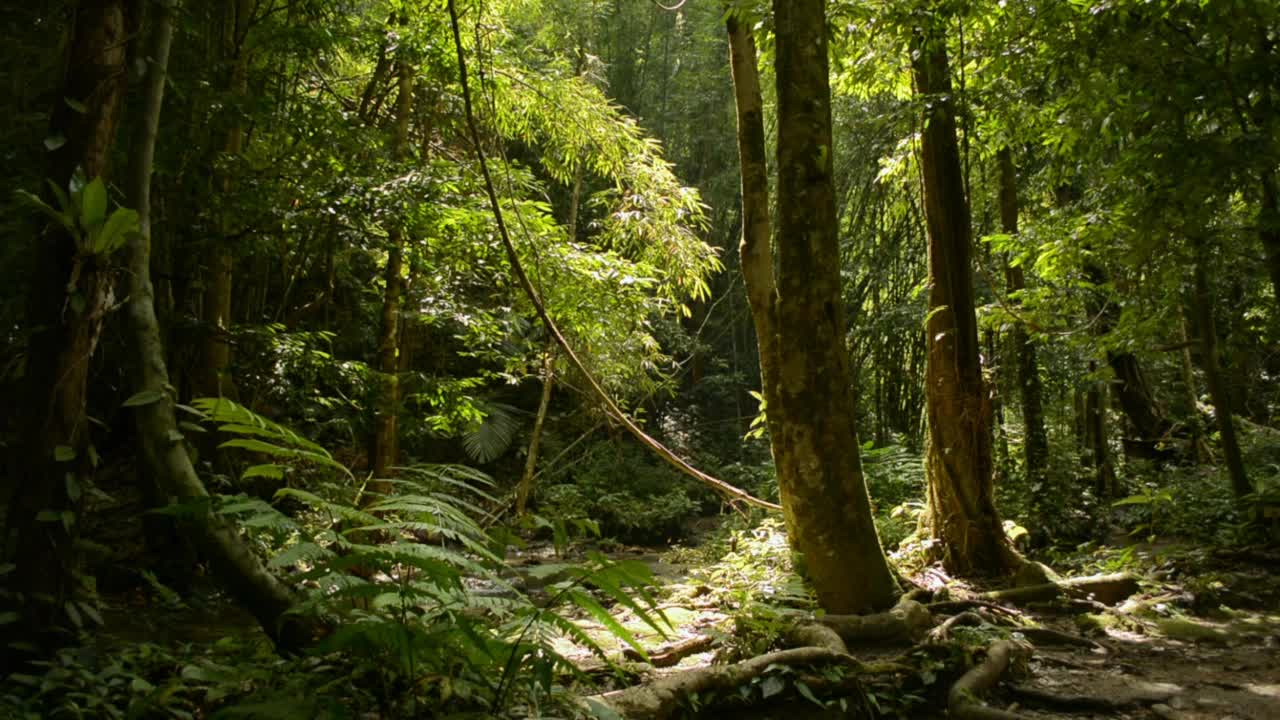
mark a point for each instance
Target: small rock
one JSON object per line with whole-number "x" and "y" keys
{"x": 1178, "y": 703}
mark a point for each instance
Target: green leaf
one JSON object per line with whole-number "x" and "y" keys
{"x": 1133, "y": 500}
{"x": 597, "y": 611}
{"x": 269, "y": 470}
{"x": 93, "y": 204}
{"x": 53, "y": 142}
{"x": 116, "y": 230}
{"x": 74, "y": 490}
{"x": 62, "y": 218}
{"x": 146, "y": 397}
{"x": 805, "y": 691}
{"x": 64, "y": 453}
{"x": 771, "y": 686}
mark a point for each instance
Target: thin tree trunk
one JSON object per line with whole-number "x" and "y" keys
{"x": 386, "y": 438}
{"x": 535, "y": 440}
{"x": 799, "y": 320}
{"x": 1097, "y": 447}
{"x": 214, "y": 378}
{"x": 1198, "y": 448}
{"x": 162, "y": 452}
{"x": 1269, "y": 230}
{"x": 961, "y": 514}
{"x": 70, "y": 295}
{"x": 1213, "y": 376}
{"x": 1035, "y": 445}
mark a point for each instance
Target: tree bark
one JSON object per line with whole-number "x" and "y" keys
{"x": 1240, "y": 484}
{"x": 1035, "y": 447}
{"x": 961, "y": 513}
{"x": 71, "y": 293}
{"x": 162, "y": 452}
{"x": 1269, "y": 230}
{"x": 386, "y": 438}
{"x": 214, "y": 378}
{"x": 1097, "y": 449}
{"x": 808, "y": 398}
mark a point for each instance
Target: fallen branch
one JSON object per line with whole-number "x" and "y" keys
{"x": 1108, "y": 589}
{"x": 963, "y": 702}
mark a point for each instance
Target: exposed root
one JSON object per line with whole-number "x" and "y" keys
{"x": 963, "y": 702}
{"x": 1072, "y": 702}
{"x": 905, "y": 622}
{"x": 814, "y": 635}
{"x": 1108, "y": 589}
{"x": 942, "y": 633}
{"x": 956, "y": 606}
{"x": 666, "y": 696}
{"x": 672, "y": 654}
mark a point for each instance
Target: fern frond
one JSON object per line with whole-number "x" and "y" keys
{"x": 494, "y": 435}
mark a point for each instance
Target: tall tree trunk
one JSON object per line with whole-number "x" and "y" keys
{"x": 214, "y": 378}
{"x": 162, "y": 453}
{"x": 962, "y": 515}
{"x": 71, "y": 292}
{"x": 798, "y": 316}
{"x": 1035, "y": 446}
{"x": 1269, "y": 230}
{"x": 1213, "y": 375}
{"x": 386, "y": 438}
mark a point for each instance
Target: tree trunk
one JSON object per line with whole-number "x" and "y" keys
{"x": 1213, "y": 376}
{"x": 961, "y": 515}
{"x": 531, "y": 459}
{"x": 162, "y": 452}
{"x": 386, "y": 438}
{"x": 1035, "y": 447}
{"x": 1269, "y": 230}
{"x": 214, "y": 378}
{"x": 807, "y": 394}
{"x": 71, "y": 292}
{"x": 1097, "y": 449}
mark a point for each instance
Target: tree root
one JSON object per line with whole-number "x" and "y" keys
{"x": 672, "y": 654}
{"x": 1072, "y": 702}
{"x": 907, "y": 621}
{"x": 665, "y": 697}
{"x": 1108, "y": 589}
{"x": 963, "y": 702}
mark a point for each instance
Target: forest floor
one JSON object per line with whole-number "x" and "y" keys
{"x": 1200, "y": 640}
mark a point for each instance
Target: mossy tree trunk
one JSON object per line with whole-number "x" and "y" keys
{"x": 961, "y": 515}
{"x": 799, "y": 316}
{"x": 385, "y": 449}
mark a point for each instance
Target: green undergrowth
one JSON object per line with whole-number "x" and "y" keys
{"x": 423, "y": 620}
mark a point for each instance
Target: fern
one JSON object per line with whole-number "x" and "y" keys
{"x": 489, "y": 439}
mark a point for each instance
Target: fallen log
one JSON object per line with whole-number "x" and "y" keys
{"x": 963, "y": 700}
{"x": 1107, "y": 589}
